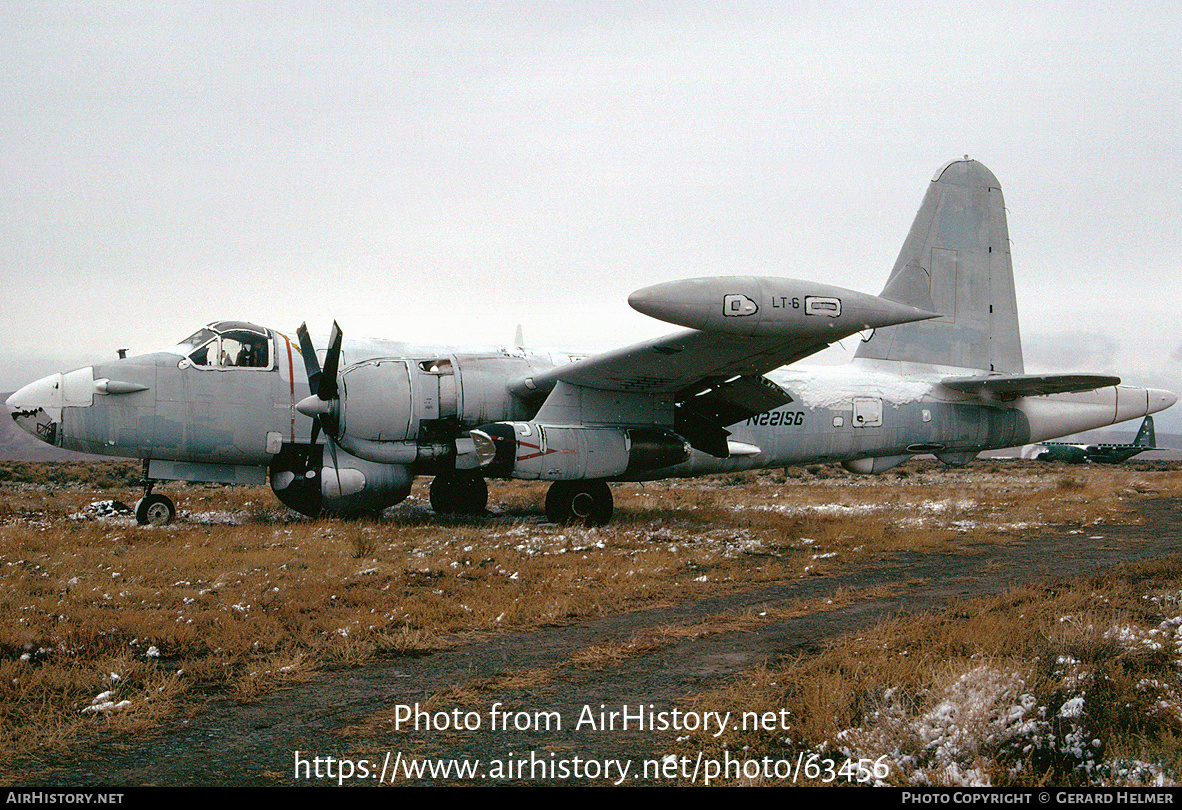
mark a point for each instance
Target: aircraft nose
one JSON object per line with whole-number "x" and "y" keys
{"x": 36, "y": 408}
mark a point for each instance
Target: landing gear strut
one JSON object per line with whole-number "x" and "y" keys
{"x": 586, "y": 502}
{"x": 154, "y": 510}
{"x": 459, "y": 495}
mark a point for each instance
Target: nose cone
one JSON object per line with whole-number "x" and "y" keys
{"x": 36, "y": 408}
{"x": 681, "y": 302}
{"x": 1159, "y": 399}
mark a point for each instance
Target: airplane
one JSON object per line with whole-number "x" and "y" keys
{"x": 1096, "y": 453}
{"x": 938, "y": 370}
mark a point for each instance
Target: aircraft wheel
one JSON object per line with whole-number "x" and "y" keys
{"x": 467, "y": 495}
{"x": 154, "y": 510}
{"x": 586, "y": 502}
{"x": 473, "y": 496}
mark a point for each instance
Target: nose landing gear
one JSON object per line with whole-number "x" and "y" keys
{"x": 153, "y": 510}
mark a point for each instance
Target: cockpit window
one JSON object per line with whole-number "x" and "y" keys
{"x": 204, "y": 355}
{"x": 232, "y": 348}
{"x": 245, "y": 350}
{"x": 196, "y": 339}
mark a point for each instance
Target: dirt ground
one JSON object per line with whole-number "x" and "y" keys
{"x": 356, "y": 726}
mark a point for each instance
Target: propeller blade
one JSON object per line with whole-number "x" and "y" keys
{"x": 322, "y": 382}
{"x": 332, "y": 450}
{"x": 311, "y": 364}
{"x": 326, "y": 387}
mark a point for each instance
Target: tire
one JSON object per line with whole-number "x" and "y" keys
{"x": 474, "y": 496}
{"x": 459, "y": 496}
{"x": 443, "y": 495}
{"x": 586, "y": 502}
{"x": 154, "y": 510}
{"x": 558, "y": 502}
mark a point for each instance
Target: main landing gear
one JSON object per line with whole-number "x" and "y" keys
{"x": 459, "y": 495}
{"x": 153, "y": 510}
{"x": 586, "y": 502}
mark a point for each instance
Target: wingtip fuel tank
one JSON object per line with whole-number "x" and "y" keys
{"x": 768, "y": 307}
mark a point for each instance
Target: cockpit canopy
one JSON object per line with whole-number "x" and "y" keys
{"x": 228, "y": 344}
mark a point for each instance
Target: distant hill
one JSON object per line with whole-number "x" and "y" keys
{"x": 16, "y": 445}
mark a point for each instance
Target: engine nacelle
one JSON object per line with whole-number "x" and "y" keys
{"x": 318, "y": 479}
{"x": 568, "y": 453}
{"x": 406, "y": 410}
{"x": 377, "y": 403}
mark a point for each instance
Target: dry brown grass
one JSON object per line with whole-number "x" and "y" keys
{"x": 240, "y": 595}
{"x": 984, "y": 693}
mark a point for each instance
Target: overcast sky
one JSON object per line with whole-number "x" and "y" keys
{"x": 442, "y": 172}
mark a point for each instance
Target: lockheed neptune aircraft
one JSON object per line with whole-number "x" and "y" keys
{"x": 939, "y": 370}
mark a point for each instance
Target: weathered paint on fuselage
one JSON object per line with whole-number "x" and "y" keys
{"x": 879, "y": 413}
{"x": 888, "y": 412}
{"x": 241, "y": 416}
{"x": 845, "y": 414}
{"x": 188, "y": 413}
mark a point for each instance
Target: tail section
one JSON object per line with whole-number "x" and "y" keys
{"x": 955, "y": 261}
{"x": 1145, "y": 436}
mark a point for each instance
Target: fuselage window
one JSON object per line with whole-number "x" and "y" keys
{"x": 442, "y": 366}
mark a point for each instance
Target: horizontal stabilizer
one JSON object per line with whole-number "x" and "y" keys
{"x": 1009, "y": 386}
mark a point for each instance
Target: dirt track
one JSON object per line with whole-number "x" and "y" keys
{"x": 334, "y": 715}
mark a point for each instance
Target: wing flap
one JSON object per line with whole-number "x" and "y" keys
{"x": 702, "y": 415}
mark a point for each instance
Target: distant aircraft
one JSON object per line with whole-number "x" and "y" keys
{"x": 940, "y": 371}
{"x": 1096, "y": 453}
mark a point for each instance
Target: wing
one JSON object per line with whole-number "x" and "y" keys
{"x": 700, "y": 380}
{"x": 673, "y": 363}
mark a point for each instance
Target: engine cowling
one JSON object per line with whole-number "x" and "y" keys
{"x": 395, "y": 411}
{"x": 390, "y": 412}
{"x": 566, "y": 453}
{"x": 322, "y": 479}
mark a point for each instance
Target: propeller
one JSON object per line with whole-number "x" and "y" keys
{"x": 323, "y": 405}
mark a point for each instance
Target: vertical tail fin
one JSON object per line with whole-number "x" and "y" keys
{"x": 1145, "y": 436}
{"x": 955, "y": 261}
